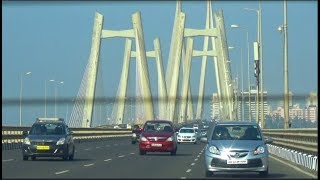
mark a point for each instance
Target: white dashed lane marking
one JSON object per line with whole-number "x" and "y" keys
{"x": 88, "y": 165}
{"x": 108, "y": 160}
{"x": 198, "y": 156}
{"x": 97, "y": 147}
{"x": 188, "y": 170}
{"x": 132, "y": 153}
{"x": 121, "y": 156}
{"x": 183, "y": 178}
{"x": 192, "y": 164}
{"x": 196, "y": 159}
{"x": 7, "y": 160}
{"x": 87, "y": 149}
{"x": 62, "y": 172}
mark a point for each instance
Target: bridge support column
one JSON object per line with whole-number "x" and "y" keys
{"x": 92, "y": 71}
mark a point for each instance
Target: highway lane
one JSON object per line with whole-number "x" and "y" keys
{"x": 118, "y": 158}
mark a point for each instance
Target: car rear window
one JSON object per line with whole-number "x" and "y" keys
{"x": 157, "y": 127}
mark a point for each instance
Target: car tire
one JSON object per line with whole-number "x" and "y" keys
{"x": 143, "y": 152}
{"x": 195, "y": 142}
{"x": 66, "y": 154}
{"x": 72, "y": 155}
{"x": 178, "y": 142}
{"x": 264, "y": 173}
{"x": 25, "y": 158}
{"x": 33, "y": 158}
{"x": 209, "y": 173}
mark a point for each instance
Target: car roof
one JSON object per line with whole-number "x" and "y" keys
{"x": 236, "y": 123}
{"x": 159, "y": 121}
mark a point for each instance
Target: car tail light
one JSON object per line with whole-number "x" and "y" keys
{"x": 170, "y": 138}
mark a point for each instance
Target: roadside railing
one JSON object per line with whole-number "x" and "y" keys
{"x": 12, "y": 137}
{"x": 304, "y": 140}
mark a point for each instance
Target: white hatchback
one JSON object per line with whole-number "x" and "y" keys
{"x": 187, "y": 135}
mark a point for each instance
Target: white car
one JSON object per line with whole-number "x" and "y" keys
{"x": 187, "y": 135}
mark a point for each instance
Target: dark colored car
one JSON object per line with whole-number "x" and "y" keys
{"x": 48, "y": 137}
{"x": 135, "y": 134}
{"x": 158, "y": 136}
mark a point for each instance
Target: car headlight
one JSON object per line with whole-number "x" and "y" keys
{"x": 143, "y": 138}
{"x": 170, "y": 138}
{"x": 61, "y": 141}
{"x": 214, "y": 150}
{"x": 259, "y": 150}
{"x": 26, "y": 141}
{"x": 134, "y": 135}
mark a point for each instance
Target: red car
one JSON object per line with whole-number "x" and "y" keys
{"x": 158, "y": 136}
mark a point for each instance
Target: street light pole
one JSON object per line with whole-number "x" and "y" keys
{"x": 242, "y": 100}
{"x": 261, "y": 65}
{"x": 45, "y": 96}
{"x": 21, "y": 84}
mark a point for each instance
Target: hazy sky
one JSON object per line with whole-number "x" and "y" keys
{"x": 53, "y": 40}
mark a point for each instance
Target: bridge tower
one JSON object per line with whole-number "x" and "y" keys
{"x": 98, "y": 34}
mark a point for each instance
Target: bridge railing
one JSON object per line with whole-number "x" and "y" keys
{"x": 300, "y": 139}
{"x": 12, "y": 137}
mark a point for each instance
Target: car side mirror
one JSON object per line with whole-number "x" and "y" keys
{"x": 268, "y": 140}
{"x": 204, "y": 140}
{"x": 25, "y": 133}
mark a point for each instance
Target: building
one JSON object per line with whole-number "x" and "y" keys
{"x": 253, "y": 108}
{"x": 311, "y": 113}
{"x": 312, "y": 99}
{"x": 215, "y": 107}
{"x": 296, "y": 112}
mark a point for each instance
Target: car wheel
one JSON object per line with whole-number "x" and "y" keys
{"x": 66, "y": 154}
{"x": 143, "y": 152}
{"x": 178, "y": 142}
{"x": 195, "y": 142}
{"x": 209, "y": 173}
{"x": 25, "y": 158}
{"x": 33, "y": 158}
{"x": 72, "y": 155}
{"x": 264, "y": 173}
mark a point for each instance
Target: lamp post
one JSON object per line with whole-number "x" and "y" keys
{"x": 259, "y": 38}
{"x": 21, "y": 84}
{"x": 284, "y": 28}
{"x": 55, "y": 98}
{"x": 242, "y": 97}
{"x": 248, "y": 59}
{"x": 45, "y": 96}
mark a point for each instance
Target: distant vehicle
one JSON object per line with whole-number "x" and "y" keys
{"x": 158, "y": 136}
{"x": 236, "y": 146}
{"x": 203, "y": 133}
{"x": 124, "y": 126}
{"x": 48, "y": 137}
{"x": 186, "y": 134}
{"x": 136, "y": 131}
{"x": 195, "y": 126}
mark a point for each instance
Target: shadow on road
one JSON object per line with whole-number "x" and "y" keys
{"x": 247, "y": 175}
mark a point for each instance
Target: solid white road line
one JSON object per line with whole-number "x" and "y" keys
{"x": 108, "y": 160}
{"x": 7, "y": 160}
{"x": 188, "y": 170}
{"x": 62, "y": 172}
{"x": 88, "y": 165}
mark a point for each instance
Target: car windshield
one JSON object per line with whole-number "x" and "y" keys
{"x": 236, "y": 132}
{"x": 186, "y": 131}
{"x": 47, "y": 129}
{"x": 157, "y": 127}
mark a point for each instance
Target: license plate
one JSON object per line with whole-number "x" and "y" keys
{"x": 237, "y": 162}
{"x": 43, "y": 147}
{"x": 156, "y": 145}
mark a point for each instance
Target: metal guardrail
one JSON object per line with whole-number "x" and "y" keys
{"x": 304, "y": 139}
{"x": 12, "y": 137}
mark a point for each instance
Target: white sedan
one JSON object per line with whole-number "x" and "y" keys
{"x": 187, "y": 135}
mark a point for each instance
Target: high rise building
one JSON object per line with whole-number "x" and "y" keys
{"x": 253, "y": 93}
{"x": 311, "y": 113}
{"x": 312, "y": 99}
{"x": 215, "y": 107}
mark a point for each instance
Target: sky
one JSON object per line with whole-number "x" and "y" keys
{"x": 53, "y": 41}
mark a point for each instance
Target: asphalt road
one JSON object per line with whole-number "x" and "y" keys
{"x": 118, "y": 158}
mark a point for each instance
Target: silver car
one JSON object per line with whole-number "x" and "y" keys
{"x": 236, "y": 146}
